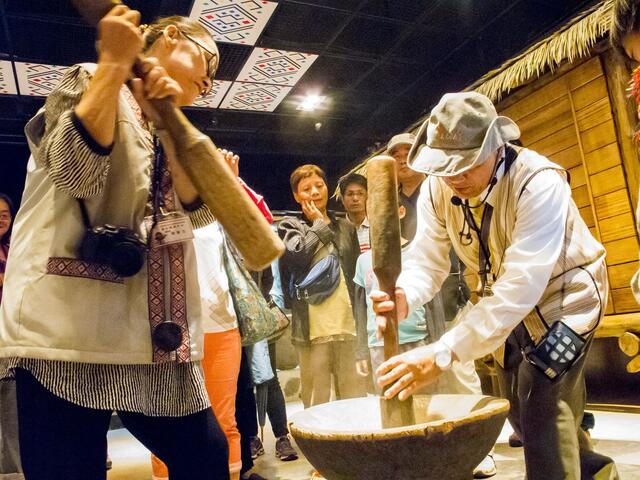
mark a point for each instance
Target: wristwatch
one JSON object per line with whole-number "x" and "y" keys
{"x": 443, "y": 356}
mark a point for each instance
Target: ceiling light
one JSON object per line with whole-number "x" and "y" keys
{"x": 311, "y": 102}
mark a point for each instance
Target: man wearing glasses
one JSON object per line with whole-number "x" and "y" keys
{"x": 508, "y": 214}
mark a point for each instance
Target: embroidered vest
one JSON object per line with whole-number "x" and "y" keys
{"x": 59, "y": 308}
{"x": 578, "y": 283}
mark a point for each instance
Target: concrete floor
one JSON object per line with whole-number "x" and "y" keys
{"x": 616, "y": 435}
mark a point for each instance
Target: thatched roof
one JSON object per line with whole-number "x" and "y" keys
{"x": 570, "y": 42}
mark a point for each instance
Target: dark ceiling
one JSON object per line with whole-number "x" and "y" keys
{"x": 382, "y": 64}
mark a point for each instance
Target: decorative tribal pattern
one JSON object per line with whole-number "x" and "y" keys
{"x": 251, "y": 96}
{"x": 38, "y": 79}
{"x": 71, "y": 267}
{"x": 156, "y": 258}
{"x": 218, "y": 91}
{"x": 234, "y": 21}
{"x": 7, "y": 80}
{"x": 174, "y": 255}
{"x": 276, "y": 67}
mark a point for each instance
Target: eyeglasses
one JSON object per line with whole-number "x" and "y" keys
{"x": 212, "y": 61}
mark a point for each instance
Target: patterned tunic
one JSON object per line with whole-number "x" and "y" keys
{"x": 158, "y": 389}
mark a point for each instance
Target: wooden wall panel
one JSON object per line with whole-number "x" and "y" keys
{"x": 578, "y": 176}
{"x": 623, "y": 300}
{"x": 567, "y": 158}
{"x": 546, "y": 121}
{"x": 617, "y": 228}
{"x": 602, "y": 158}
{"x": 560, "y": 140}
{"x": 583, "y": 73}
{"x": 570, "y": 119}
{"x": 594, "y": 114}
{"x": 589, "y": 93}
{"x": 621, "y": 251}
{"x": 620, "y": 275}
{"x": 613, "y": 203}
{"x": 536, "y": 100}
{"x": 581, "y": 196}
{"x": 598, "y": 136}
{"x": 608, "y": 181}
{"x": 587, "y": 215}
{"x": 609, "y": 310}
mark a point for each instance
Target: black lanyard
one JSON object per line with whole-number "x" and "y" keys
{"x": 482, "y": 232}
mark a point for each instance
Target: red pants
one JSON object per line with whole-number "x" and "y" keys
{"x": 221, "y": 364}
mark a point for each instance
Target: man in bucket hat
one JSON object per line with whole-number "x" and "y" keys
{"x": 508, "y": 214}
{"x": 409, "y": 180}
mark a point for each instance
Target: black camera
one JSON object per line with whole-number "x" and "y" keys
{"x": 118, "y": 247}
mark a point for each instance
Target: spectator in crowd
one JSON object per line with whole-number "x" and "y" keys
{"x": 353, "y": 193}
{"x": 324, "y": 333}
{"x": 409, "y": 181}
{"x": 276, "y": 405}
{"x": 412, "y": 332}
{"x": 89, "y": 330}
{"x": 6, "y": 220}
{"x": 221, "y": 361}
{"x": 10, "y": 467}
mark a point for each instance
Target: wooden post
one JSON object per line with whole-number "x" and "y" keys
{"x": 629, "y": 343}
{"x": 634, "y": 365}
{"x": 625, "y": 118}
{"x": 386, "y": 253}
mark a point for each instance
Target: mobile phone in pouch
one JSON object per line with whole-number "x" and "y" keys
{"x": 557, "y": 351}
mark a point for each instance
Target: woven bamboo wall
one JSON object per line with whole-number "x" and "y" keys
{"x": 568, "y": 117}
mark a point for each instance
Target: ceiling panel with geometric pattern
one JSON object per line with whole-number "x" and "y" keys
{"x": 275, "y": 67}
{"x": 38, "y": 79}
{"x": 7, "y": 79}
{"x": 254, "y": 96}
{"x": 233, "y": 21}
{"x": 266, "y": 77}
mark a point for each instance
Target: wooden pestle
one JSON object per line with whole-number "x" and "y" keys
{"x": 386, "y": 253}
{"x": 205, "y": 166}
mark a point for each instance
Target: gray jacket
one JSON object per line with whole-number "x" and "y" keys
{"x": 302, "y": 239}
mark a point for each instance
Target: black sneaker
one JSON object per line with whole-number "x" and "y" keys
{"x": 257, "y": 448}
{"x": 252, "y": 476}
{"x": 514, "y": 440}
{"x": 284, "y": 450}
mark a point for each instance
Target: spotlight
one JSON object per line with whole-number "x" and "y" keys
{"x": 311, "y": 102}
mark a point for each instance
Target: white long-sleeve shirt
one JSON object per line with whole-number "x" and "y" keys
{"x": 523, "y": 271}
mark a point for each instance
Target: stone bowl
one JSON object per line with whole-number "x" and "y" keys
{"x": 344, "y": 440}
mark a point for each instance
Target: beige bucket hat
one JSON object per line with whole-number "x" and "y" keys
{"x": 401, "y": 139}
{"x": 462, "y": 131}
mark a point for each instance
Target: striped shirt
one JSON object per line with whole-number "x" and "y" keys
{"x": 79, "y": 166}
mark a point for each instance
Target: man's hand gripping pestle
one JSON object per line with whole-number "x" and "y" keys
{"x": 386, "y": 251}
{"x": 205, "y": 166}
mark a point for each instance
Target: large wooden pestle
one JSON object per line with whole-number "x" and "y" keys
{"x": 386, "y": 251}
{"x": 205, "y": 166}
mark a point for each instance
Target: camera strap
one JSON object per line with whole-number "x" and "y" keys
{"x": 157, "y": 194}
{"x": 85, "y": 214}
